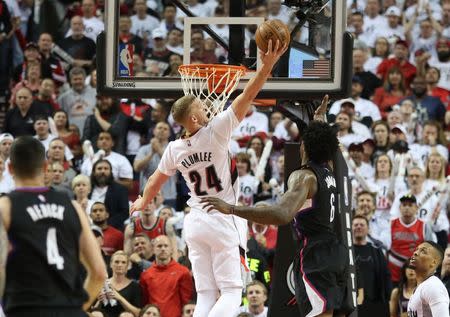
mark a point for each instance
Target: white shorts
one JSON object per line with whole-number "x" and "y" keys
{"x": 213, "y": 240}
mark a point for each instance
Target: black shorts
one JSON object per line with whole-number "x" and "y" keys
{"x": 46, "y": 312}
{"x": 321, "y": 274}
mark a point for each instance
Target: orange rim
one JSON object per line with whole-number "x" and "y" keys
{"x": 203, "y": 70}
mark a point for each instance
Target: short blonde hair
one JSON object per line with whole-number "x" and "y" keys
{"x": 81, "y": 179}
{"x": 181, "y": 108}
{"x": 117, "y": 253}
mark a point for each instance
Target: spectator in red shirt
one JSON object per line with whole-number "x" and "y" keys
{"x": 392, "y": 91}
{"x": 432, "y": 77}
{"x": 400, "y": 60}
{"x": 166, "y": 283}
{"x": 112, "y": 238}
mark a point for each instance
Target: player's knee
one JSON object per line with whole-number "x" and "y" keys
{"x": 234, "y": 294}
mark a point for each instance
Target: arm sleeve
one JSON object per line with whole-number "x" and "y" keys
{"x": 224, "y": 124}
{"x": 167, "y": 165}
{"x": 144, "y": 290}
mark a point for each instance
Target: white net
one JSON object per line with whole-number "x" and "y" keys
{"x": 211, "y": 84}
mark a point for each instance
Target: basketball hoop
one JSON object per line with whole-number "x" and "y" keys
{"x": 211, "y": 83}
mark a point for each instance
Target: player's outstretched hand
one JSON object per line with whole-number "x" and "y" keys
{"x": 213, "y": 203}
{"x": 321, "y": 111}
{"x": 273, "y": 54}
{"x": 138, "y": 205}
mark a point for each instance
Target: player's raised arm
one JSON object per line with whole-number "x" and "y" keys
{"x": 152, "y": 188}
{"x": 302, "y": 185}
{"x": 243, "y": 102}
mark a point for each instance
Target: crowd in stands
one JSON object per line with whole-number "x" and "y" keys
{"x": 394, "y": 132}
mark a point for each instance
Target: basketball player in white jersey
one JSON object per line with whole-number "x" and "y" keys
{"x": 430, "y": 299}
{"x": 216, "y": 242}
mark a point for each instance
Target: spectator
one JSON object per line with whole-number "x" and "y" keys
{"x": 93, "y": 26}
{"x": 147, "y": 160}
{"x": 434, "y": 171}
{"x": 112, "y": 238}
{"x": 175, "y": 41}
{"x": 107, "y": 117}
{"x": 78, "y": 101}
{"x": 156, "y": 59}
{"x": 399, "y": 60}
{"x": 380, "y": 130}
{"x": 371, "y": 82}
{"x": 150, "y": 311}
{"x": 62, "y": 127}
{"x": 374, "y": 274}
{"x": 188, "y": 310}
{"x": 378, "y": 54}
{"x": 373, "y": 21}
{"x": 153, "y": 226}
{"x": 32, "y": 80}
{"x": 407, "y": 232}
{"x": 277, "y": 11}
{"x": 167, "y": 283}
{"x": 400, "y": 296}
{"x": 357, "y": 27}
{"x": 445, "y": 270}
{"x": 365, "y": 206}
{"x": 124, "y": 291}
{"x": 392, "y": 91}
{"x": 432, "y": 77}
{"x": 6, "y": 139}
{"x": 55, "y": 153}
{"x": 443, "y": 62}
{"x": 356, "y": 152}
{"x": 427, "y": 107}
{"x": 81, "y": 187}
{"x": 19, "y": 119}
{"x": 6, "y": 181}
{"x": 45, "y": 99}
{"x": 346, "y": 134}
{"x": 394, "y": 28}
{"x": 423, "y": 41}
{"x": 198, "y": 53}
{"x": 248, "y": 183}
{"x": 168, "y": 21}
{"x": 432, "y": 141}
{"x": 32, "y": 56}
{"x": 50, "y": 61}
{"x": 256, "y": 293}
{"x": 142, "y": 24}
{"x": 254, "y": 123}
{"x": 112, "y": 194}
{"x": 142, "y": 256}
{"x": 58, "y": 183}
{"x": 121, "y": 167}
{"x": 126, "y": 36}
{"x": 364, "y": 111}
{"x": 77, "y": 45}
{"x": 41, "y": 128}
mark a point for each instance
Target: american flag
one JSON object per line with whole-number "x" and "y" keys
{"x": 319, "y": 68}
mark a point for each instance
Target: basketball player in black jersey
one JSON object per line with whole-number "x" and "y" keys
{"x": 49, "y": 237}
{"x": 310, "y": 203}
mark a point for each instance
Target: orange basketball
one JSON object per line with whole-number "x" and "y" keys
{"x": 274, "y": 30}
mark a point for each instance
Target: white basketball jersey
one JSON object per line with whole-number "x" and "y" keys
{"x": 429, "y": 293}
{"x": 204, "y": 161}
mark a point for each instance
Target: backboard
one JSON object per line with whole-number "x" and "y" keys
{"x": 318, "y": 60}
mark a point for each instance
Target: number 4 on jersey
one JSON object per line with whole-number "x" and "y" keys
{"x": 53, "y": 256}
{"x": 212, "y": 181}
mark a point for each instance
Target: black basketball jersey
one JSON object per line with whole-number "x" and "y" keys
{"x": 43, "y": 267}
{"x": 317, "y": 220}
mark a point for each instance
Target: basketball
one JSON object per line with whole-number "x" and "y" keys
{"x": 272, "y": 30}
